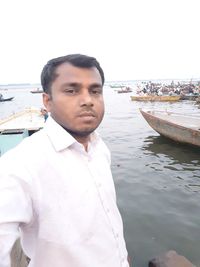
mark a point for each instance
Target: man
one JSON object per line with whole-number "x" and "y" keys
{"x": 56, "y": 186}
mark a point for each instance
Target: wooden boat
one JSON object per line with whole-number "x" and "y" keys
{"x": 124, "y": 90}
{"x": 116, "y": 85}
{"x": 182, "y": 128}
{"x": 6, "y": 99}
{"x": 18, "y": 126}
{"x": 191, "y": 97}
{"x": 38, "y": 91}
{"x": 169, "y": 98}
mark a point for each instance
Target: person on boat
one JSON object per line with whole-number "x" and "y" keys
{"x": 59, "y": 194}
{"x": 144, "y": 90}
{"x": 160, "y": 93}
{"x": 44, "y": 113}
{"x": 1, "y": 96}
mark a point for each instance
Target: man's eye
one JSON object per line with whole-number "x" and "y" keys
{"x": 70, "y": 91}
{"x": 97, "y": 91}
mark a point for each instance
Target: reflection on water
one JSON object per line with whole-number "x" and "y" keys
{"x": 180, "y": 153}
{"x": 183, "y": 159}
{"x": 157, "y": 181}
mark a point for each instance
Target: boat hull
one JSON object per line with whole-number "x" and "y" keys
{"x": 9, "y": 140}
{"x": 190, "y": 97}
{"x": 37, "y": 92}
{"x": 18, "y": 126}
{"x": 154, "y": 98}
{"x": 6, "y": 99}
{"x": 182, "y": 129}
{"x": 124, "y": 91}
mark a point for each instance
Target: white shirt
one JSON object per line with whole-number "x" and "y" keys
{"x": 63, "y": 200}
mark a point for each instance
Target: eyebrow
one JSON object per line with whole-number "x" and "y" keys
{"x": 96, "y": 85}
{"x": 73, "y": 84}
{"x": 70, "y": 84}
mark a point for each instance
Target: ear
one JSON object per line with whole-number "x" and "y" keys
{"x": 47, "y": 101}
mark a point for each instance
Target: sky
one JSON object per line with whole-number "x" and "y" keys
{"x": 132, "y": 39}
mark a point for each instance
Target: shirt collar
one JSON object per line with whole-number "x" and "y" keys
{"x": 60, "y": 138}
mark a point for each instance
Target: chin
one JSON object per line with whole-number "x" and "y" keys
{"x": 84, "y": 133}
{"x": 80, "y": 132}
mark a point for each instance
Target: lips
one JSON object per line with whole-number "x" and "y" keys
{"x": 87, "y": 114}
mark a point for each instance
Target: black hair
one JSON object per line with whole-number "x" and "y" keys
{"x": 48, "y": 73}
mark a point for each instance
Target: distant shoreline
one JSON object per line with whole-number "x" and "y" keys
{"x": 30, "y": 85}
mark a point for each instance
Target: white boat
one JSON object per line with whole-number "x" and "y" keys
{"x": 18, "y": 126}
{"x": 183, "y": 128}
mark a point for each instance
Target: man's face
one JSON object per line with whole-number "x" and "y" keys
{"x": 76, "y": 100}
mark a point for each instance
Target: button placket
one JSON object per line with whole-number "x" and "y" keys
{"x": 106, "y": 208}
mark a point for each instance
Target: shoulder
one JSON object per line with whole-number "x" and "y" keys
{"x": 25, "y": 153}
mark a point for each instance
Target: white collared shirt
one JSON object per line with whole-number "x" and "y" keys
{"x": 63, "y": 198}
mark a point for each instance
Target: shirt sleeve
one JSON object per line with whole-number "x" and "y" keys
{"x": 15, "y": 209}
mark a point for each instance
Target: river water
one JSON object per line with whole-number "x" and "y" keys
{"x": 157, "y": 180}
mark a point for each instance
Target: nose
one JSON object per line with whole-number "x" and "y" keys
{"x": 86, "y": 99}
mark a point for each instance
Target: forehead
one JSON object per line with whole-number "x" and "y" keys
{"x": 69, "y": 73}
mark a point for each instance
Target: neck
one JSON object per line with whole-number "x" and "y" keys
{"x": 83, "y": 140}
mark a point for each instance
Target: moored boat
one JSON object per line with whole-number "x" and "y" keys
{"x": 124, "y": 90}
{"x": 183, "y": 128}
{"x": 37, "y": 91}
{"x": 192, "y": 97}
{"x": 18, "y": 126}
{"x": 116, "y": 85}
{"x": 153, "y": 98}
{"x": 2, "y": 99}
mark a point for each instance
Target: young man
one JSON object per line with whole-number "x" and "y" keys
{"x": 56, "y": 187}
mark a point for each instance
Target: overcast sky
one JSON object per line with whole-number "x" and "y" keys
{"x": 132, "y": 39}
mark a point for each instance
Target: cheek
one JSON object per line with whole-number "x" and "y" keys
{"x": 101, "y": 107}
{"x": 57, "y": 104}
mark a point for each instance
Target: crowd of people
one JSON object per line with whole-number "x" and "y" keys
{"x": 151, "y": 88}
